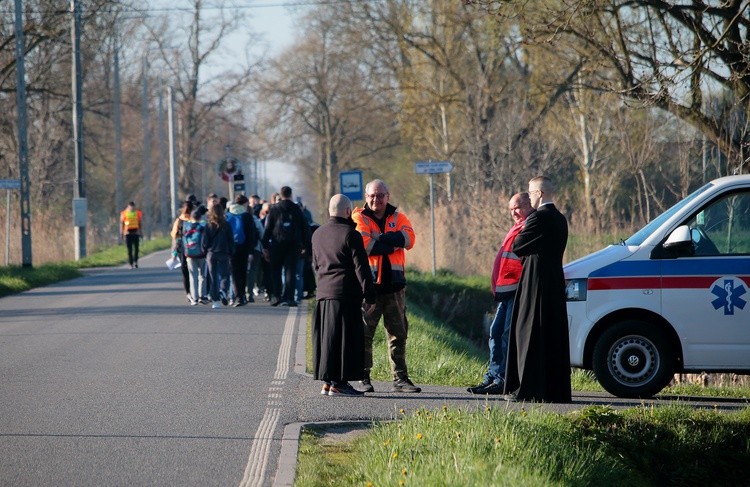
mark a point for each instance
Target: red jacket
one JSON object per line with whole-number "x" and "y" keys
{"x": 507, "y": 269}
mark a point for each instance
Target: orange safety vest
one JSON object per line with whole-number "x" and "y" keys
{"x": 394, "y": 222}
{"x": 507, "y": 269}
{"x": 131, "y": 219}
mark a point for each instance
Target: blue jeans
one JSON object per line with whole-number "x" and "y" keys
{"x": 499, "y": 333}
{"x": 218, "y": 274}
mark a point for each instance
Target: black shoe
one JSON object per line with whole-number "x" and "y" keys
{"x": 276, "y": 303}
{"x": 475, "y": 389}
{"x": 404, "y": 385}
{"x": 343, "y": 389}
{"x": 496, "y": 388}
{"x": 251, "y": 299}
{"x": 224, "y": 299}
{"x": 365, "y": 385}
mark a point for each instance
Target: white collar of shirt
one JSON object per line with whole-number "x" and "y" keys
{"x": 547, "y": 203}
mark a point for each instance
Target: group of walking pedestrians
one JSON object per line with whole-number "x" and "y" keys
{"x": 225, "y": 247}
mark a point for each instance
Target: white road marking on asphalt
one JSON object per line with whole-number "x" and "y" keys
{"x": 255, "y": 471}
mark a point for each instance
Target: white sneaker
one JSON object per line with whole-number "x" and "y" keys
{"x": 215, "y": 305}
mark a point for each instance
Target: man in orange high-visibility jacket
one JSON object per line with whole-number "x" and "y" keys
{"x": 387, "y": 234}
{"x": 505, "y": 276}
{"x": 130, "y": 230}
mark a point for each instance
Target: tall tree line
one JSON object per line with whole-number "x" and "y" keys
{"x": 628, "y": 105}
{"x": 156, "y": 45}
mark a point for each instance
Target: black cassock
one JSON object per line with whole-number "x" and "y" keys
{"x": 538, "y": 353}
{"x": 343, "y": 280}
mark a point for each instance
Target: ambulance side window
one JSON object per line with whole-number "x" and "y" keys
{"x": 723, "y": 227}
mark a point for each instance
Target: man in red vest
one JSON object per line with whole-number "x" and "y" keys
{"x": 505, "y": 276}
{"x": 130, "y": 230}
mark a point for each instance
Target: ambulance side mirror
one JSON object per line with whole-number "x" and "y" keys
{"x": 679, "y": 241}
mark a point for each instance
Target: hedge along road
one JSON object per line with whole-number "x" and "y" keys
{"x": 112, "y": 379}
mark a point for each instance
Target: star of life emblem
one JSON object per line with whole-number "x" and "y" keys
{"x": 728, "y": 292}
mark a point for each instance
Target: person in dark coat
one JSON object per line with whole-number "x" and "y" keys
{"x": 217, "y": 244}
{"x": 344, "y": 280}
{"x": 539, "y": 356}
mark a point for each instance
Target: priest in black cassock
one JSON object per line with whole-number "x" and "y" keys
{"x": 344, "y": 280}
{"x": 538, "y": 353}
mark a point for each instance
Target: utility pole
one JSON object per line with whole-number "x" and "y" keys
{"x": 80, "y": 210}
{"x": 116, "y": 102}
{"x": 166, "y": 217}
{"x": 172, "y": 155}
{"x": 23, "y": 145}
{"x": 147, "y": 176}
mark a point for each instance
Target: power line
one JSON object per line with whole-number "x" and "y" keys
{"x": 154, "y": 10}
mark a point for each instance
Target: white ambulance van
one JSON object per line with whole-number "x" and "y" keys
{"x": 671, "y": 298}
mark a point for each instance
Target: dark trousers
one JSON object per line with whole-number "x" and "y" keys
{"x": 284, "y": 256}
{"x": 239, "y": 272}
{"x": 131, "y": 241}
{"x": 185, "y": 273}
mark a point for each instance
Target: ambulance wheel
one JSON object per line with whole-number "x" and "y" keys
{"x": 633, "y": 359}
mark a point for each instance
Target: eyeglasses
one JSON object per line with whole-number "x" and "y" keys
{"x": 377, "y": 196}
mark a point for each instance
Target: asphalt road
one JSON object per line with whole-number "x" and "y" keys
{"x": 112, "y": 379}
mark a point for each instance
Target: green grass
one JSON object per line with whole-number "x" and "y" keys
{"x": 646, "y": 446}
{"x": 16, "y": 279}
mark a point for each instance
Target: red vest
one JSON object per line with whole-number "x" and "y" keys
{"x": 507, "y": 269}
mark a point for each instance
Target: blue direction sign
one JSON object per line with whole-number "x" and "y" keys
{"x": 433, "y": 167}
{"x": 10, "y": 184}
{"x": 350, "y": 183}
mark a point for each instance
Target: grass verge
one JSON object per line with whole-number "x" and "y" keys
{"x": 646, "y": 446}
{"x": 16, "y": 279}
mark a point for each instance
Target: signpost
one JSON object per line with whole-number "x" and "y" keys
{"x": 350, "y": 184}
{"x": 432, "y": 168}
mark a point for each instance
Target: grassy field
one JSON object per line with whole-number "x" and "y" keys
{"x": 16, "y": 279}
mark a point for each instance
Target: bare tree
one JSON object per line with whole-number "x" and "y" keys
{"x": 664, "y": 54}
{"x": 321, "y": 94}
{"x": 204, "y": 94}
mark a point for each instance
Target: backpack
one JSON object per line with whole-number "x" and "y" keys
{"x": 238, "y": 231}
{"x": 287, "y": 230}
{"x": 191, "y": 239}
